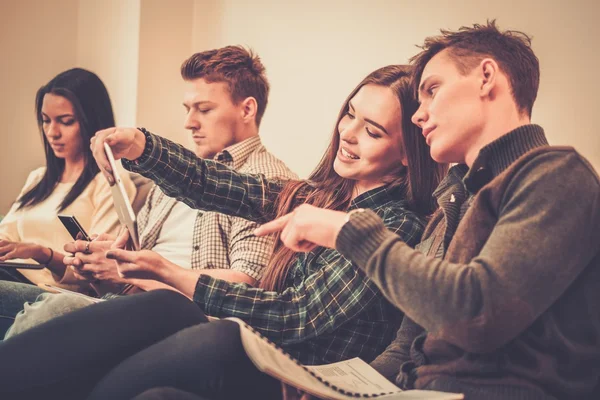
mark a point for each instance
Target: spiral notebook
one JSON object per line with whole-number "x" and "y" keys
{"x": 343, "y": 380}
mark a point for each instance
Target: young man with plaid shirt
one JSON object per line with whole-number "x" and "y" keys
{"x": 210, "y": 243}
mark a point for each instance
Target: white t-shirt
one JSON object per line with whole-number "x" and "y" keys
{"x": 175, "y": 239}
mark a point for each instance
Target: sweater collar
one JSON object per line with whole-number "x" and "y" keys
{"x": 498, "y": 155}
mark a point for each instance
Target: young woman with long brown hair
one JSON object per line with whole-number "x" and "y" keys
{"x": 316, "y": 305}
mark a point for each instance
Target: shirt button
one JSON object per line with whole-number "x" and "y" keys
{"x": 196, "y": 248}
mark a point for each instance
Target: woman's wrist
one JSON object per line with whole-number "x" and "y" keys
{"x": 41, "y": 254}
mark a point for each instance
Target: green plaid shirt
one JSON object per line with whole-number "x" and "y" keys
{"x": 330, "y": 311}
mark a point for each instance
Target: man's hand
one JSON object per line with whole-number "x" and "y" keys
{"x": 144, "y": 264}
{"x": 11, "y": 250}
{"x": 306, "y": 228}
{"x": 124, "y": 142}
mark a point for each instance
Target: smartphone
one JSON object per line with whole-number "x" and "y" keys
{"x": 74, "y": 227}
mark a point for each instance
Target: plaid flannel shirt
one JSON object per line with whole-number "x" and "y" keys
{"x": 330, "y": 311}
{"x": 219, "y": 240}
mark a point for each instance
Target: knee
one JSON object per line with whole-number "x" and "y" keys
{"x": 166, "y": 393}
{"x": 46, "y": 307}
{"x": 59, "y": 304}
{"x": 170, "y": 302}
{"x": 165, "y": 298}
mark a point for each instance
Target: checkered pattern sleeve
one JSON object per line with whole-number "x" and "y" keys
{"x": 207, "y": 185}
{"x": 248, "y": 253}
{"x": 320, "y": 304}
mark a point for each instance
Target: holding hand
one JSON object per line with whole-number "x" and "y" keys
{"x": 306, "y": 228}
{"x": 144, "y": 264}
{"x": 11, "y": 250}
{"x": 291, "y": 393}
{"x": 89, "y": 262}
{"x": 124, "y": 142}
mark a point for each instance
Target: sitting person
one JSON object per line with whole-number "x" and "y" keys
{"x": 199, "y": 242}
{"x": 316, "y": 305}
{"x": 503, "y": 291}
{"x": 69, "y": 110}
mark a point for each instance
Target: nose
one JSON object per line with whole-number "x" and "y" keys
{"x": 348, "y": 132}
{"x": 191, "y": 123}
{"x": 53, "y": 130}
{"x": 420, "y": 116}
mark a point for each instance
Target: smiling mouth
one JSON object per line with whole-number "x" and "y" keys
{"x": 348, "y": 155}
{"x": 427, "y": 131}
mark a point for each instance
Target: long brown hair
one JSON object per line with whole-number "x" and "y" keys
{"x": 326, "y": 189}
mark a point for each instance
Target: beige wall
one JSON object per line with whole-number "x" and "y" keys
{"x": 108, "y": 44}
{"x": 315, "y": 53}
{"x": 165, "y": 41}
{"x": 37, "y": 41}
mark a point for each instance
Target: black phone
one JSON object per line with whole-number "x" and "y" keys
{"x": 74, "y": 227}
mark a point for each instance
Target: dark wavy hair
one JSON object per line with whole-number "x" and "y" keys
{"x": 93, "y": 111}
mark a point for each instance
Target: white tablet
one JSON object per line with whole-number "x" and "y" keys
{"x": 122, "y": 204}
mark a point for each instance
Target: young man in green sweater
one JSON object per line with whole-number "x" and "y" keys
{"x": 502, "y": 296}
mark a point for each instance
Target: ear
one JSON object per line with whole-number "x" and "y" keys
{"x": 404, "y": 160}
{"x": 249, "y": 108}
{"x": 489, "y": 71}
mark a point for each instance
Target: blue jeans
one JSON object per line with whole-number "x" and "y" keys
{"x": 13, "y": 296}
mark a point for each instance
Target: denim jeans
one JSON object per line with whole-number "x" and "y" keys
{"x": 13, "y": 296}
{"x": 47, "y": 306}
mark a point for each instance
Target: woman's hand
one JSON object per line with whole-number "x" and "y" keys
{"x": 11, "y": 250}
{"x": 306, "y": 228}
{"x": 124, "y": 142}
{"x": 291, "y": 393}
{"x": 88, "y": 260}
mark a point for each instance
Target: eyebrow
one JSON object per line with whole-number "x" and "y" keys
{"x": 370, "y": 120}
{"x": 59, "y": 116}
{"x": 197, "y": 103}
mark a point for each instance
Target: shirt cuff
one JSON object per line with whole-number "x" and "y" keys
{"x": 361, "y": 236}
{"x": 210, "y": 294}
{"x": 254, "y": 271}
{"x": 145, "y": 162}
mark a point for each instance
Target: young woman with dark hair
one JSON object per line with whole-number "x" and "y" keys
{"x": 69, "y": 109}
{"x": 316, "y": 305}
